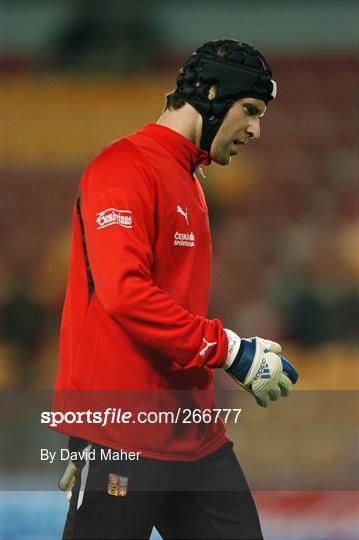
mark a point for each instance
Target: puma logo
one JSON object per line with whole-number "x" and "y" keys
{"x": 183, "y": 213}
{"x": 208, "y": 345}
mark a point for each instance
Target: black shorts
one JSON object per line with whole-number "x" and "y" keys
{"x": 116, "y": 499}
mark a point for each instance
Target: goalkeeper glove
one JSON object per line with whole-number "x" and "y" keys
{"x": 67, "y": 480}
{"x": 256, "y": 365}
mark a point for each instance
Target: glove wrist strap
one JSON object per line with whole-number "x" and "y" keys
{"x": 234, "y": 343}
{"x": 244, "y": 361}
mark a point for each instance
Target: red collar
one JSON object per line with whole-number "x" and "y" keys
{"x": 186, "y": 153}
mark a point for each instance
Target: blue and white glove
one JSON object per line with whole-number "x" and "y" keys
{"x": 256, "y": 365}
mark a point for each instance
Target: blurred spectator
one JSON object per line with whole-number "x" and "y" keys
{"x": 23, "y": 328}
{"x": 108, "y": 36}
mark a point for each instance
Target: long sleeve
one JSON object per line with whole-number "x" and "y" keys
{"x": 119, "y": 209}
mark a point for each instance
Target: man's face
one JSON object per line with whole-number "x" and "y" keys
{"x": 240, "y": 124}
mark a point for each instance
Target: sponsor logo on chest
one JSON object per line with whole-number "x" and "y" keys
{"x": 184, "y": 239}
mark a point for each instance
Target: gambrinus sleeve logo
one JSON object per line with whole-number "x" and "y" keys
{"x": 113, "y": 216}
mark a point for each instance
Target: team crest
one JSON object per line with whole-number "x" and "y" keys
{"x": 117, "y": 485}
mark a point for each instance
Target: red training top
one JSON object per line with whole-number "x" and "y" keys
{"x": 134, "y": 318}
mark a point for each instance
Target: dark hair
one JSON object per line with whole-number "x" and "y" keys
{"x": 173, "y": 101}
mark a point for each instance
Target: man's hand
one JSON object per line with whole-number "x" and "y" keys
{"x": 256, "y": 365}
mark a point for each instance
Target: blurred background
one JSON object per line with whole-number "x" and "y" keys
{"x": 78, "y": 74}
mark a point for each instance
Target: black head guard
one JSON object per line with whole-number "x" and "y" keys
{"x": 236, "y": 70}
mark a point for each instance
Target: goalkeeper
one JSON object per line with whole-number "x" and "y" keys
{"x": 135, "y": 314}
